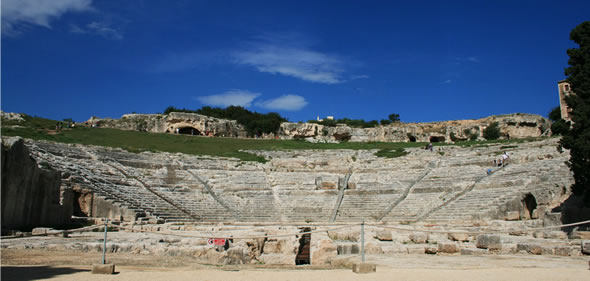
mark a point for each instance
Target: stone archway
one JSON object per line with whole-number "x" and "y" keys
{"x": 189, "y": 131}
{"x": 529, "y": 204}
{"x": 437, "y": 139}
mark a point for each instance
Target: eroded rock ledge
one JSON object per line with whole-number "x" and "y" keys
{"x": 511, "y": 126}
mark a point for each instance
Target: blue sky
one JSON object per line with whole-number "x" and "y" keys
{"x": 425, "y": 60}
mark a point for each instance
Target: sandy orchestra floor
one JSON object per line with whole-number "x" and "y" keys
{"x": 23, "y": 264}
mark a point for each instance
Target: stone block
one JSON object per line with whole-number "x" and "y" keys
{"x": 108, "y": 268}
{"x": 41, "y": 230}
{"x": 488, "y": 241}
{"x": 512, "y": 216}
{"x": 585, "y": 235}
{"x": 448, "y": 248}
{"x": 458, "y": 236}
{"x": 364, "y": 267}
{"x": 348, "y": 249}
{"x": 415, "y": 249}
{"x": 509, "y": 248}
{"x": 555, "y": 235}
{"x": 473, "y": 251}
{"x": 430, "y": 250}
{"x": 419, "y": 237}
{"x": 530, "y": 248}
{"x": 586, "y": 247}
{"x": 373, "y": 249}
{"x": 384, "y": 235}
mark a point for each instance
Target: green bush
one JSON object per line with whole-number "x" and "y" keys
{"x": 560, "y": 127}
{"x": 492, "y": 132}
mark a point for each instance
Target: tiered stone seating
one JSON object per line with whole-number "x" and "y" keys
{"x": 297, "y": 186}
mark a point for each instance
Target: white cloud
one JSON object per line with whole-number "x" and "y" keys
{"x": 98, "y": 28}
{"x": 232, "y": 97}
{"x": 274, "y": 55}
{"x": 286, "y": 102}
{"x": 448, "y": 81}
{"x": 17, "y": 15}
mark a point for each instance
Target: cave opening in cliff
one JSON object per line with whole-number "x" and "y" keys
{"x": 303, "y": 254}
{"x": 437, "y": 139}
{"x": 189, "y": 131}
{"x": 412, "y": 138}
{"x": 530, "y": 204}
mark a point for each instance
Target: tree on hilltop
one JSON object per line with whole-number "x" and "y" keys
{"x": 577, "y": 139}
{"x": 394, "y": 117}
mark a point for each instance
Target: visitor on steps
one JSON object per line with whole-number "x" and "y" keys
{"x": 505, "y": 158}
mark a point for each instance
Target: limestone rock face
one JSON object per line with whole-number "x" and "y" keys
{"x": 511, "y": 126}
{"x": 30, "y": 190}
{"x": 189, "y": 123}
{"x": 323, "y": 251}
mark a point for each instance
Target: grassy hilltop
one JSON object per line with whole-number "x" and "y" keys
{"x": 44, "y": 129}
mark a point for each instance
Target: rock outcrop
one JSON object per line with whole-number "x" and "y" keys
{"x": 175, "y": 122}
{"x": 31, "y": 194}
{"x": 511, "y": 126}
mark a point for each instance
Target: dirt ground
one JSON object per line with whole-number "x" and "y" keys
{"x": 27, "y": 264}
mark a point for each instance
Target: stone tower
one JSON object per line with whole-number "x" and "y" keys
{"x": 564, "y": 91}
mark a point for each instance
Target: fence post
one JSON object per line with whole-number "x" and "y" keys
{"x": 104, "y": 247}
{"x": 363, "y": 241}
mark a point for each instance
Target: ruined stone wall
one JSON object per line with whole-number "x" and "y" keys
{"x": 31, "y": 193}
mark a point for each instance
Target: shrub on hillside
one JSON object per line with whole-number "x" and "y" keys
{"x": 492, "y": 132}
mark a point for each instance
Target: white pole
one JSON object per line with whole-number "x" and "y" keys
{"x": 363, "y": 241}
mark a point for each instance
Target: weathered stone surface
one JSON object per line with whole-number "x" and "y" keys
{"x": 514, "y": 125}
{"x": 348, "y": 249}
{"x": 384, "y": 235}
{"x": 373, "y": 249}
{"x": 473, "y": 251}
{"x": 580, "y": 235}
{"x": 323, "y": 251}
{"x": 488, "y": 241}
{"x": 277, "y": 259}
{"x": 530, "y": 248}
{"x": 108, "y": 268}
{"x": 41, "y": 230}
{"x": 457, "y": 236}
{"x": 364, "y": 267}
{"x": 555, "y": 235}
{"x": 448, "y": 248}
{"x": 419, "y": 237}
{"x": 586, "y": 247}
{"x": 431, "y": 250}
{"x": 31, "y": 193}
{"x": 512, "y": 216}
